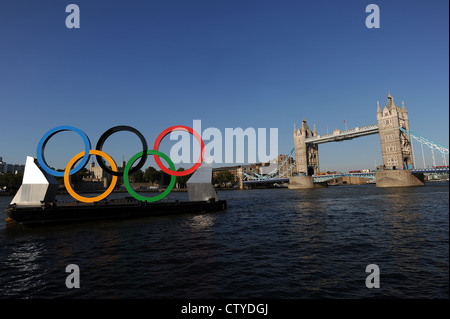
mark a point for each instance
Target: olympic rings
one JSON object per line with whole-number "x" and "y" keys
{"x": 113, "y": 130}
{"x": 167, "y": 131}
{"x": 114, "y": 171}
{"x": 130, "y": 190}
{"x": 92, "y": 199}
{"x": 43, "y": 143}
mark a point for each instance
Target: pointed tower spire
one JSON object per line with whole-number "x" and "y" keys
{"x": 404, "y": 108}
{"x": 390, "y": 102}
{"x": 304, "y": 126}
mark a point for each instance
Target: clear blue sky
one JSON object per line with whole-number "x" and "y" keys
{"x": 230, "y": 63}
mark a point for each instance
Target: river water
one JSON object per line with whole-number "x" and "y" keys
{"x": 270, "y": 243}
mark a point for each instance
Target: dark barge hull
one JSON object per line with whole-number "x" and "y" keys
{"x": 124, "y": 209}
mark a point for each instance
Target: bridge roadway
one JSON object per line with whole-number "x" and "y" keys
{"x": 337, "y": 135}
{"x": 323, "y": 178}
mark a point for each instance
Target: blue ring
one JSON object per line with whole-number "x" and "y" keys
{"x": 43, "y": 143}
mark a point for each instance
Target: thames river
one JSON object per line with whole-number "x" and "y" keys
{"x": 270, "y": 243}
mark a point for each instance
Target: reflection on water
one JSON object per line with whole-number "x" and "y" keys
{"x": 275, "y": 243}
{"x": 201, "y": 222}
{"x": 310, "y": 227}
{"x": 412, "y": 235}
{"x": 24, "y": 262}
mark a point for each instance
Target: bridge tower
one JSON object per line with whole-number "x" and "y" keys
{"x": 306, "y": 159}
{"x": 306, "y": 155}
{"x": 396, "y": 148}
{"x": 395, "y": 145}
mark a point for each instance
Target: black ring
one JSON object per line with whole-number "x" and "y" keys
{"x": 113, "y": 130}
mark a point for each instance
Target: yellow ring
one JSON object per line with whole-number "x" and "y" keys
{"x": 90, "y": 199}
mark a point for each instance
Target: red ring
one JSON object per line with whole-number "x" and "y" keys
{"x": 169, "y": 130}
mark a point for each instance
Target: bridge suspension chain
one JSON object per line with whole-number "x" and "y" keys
{"x": 275, "y": 170}
{"x": 422, "y": 140}
{"x": 263, "y": 177}
{"x": 287, "y": 171}
{"x": 275, "y": 173}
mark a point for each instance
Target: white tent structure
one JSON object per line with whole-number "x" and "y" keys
{"x": 37, "y": 186}
{"x": 199, "y": 185}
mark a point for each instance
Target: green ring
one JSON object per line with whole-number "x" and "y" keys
{"x": 140, "y": 197}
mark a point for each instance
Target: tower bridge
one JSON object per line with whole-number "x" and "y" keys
{"x": 396, "y": 148}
